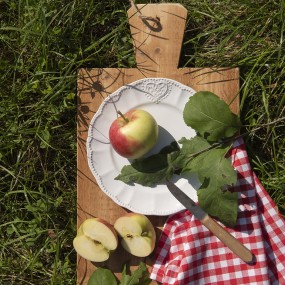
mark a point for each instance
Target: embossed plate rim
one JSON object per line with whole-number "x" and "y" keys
{"x": 137, "y": 199}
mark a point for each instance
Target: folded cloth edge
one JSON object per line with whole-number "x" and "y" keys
{"x": 261, "y": 228}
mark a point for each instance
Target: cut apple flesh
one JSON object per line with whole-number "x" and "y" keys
{"x": 97, "y": 230}
{"x": 95, "y": 240}
{"x": 138, "y": 234}
{"x": 90, "y": 249}
{"x": 138, "y": 246}
{"x": 135, "y": 225}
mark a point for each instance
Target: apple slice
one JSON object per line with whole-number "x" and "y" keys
{"x": 96, "y": 239}
{"x": 137, "y": 233}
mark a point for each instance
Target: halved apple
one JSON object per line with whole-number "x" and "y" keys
{"x": 96, "y": 239}
{"x": 137, "y": 233}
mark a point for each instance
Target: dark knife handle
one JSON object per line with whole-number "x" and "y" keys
{"x": 230, "y": 241}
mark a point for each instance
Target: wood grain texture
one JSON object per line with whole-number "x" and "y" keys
{"x": 157, "y": 30}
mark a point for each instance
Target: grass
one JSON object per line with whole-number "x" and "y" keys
{"x": 43, "y": 43}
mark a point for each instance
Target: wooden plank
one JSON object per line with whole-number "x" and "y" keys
{"x": 157, "y": 30}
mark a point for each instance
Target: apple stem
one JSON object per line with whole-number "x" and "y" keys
{"x": 121, "y": 114}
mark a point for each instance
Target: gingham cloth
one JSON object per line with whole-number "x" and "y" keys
{"x": 187, "y": 253}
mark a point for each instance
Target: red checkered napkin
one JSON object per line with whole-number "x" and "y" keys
{"x": 189, "y": 254}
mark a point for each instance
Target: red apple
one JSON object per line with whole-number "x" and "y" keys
{"x": 133, "y": 134}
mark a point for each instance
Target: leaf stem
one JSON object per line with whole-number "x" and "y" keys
{"x": 214, "y": 145}
{"x": 254, "y": 130}
{"x": 231, "y": 139}
{"x": 266, "y": 125}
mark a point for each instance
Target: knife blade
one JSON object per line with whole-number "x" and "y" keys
{"x": 223, "y": 235}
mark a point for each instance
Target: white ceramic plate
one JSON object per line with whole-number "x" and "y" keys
{"x": 165, "y": 100}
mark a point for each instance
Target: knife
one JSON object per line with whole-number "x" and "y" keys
{"x": 224, "y": 236}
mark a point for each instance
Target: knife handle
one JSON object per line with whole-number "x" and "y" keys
{"x": 230, "y": 241}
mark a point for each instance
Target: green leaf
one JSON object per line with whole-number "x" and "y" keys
{"x": 151, "y": 170}
{"x": 140, "y": 276}
{"x": 210, "y": 116}
{"x": 209, "y": 162}
{"x": 191, "y": 149}
{"x": 215, "y": 172}
{"x": 130, "y": 175}
{"x": 102, "y": 276}
{"x": 220, "y": 204}
{"x": 194, "y": 145}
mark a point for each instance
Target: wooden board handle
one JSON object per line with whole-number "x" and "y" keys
{"x": 230, "y": 241}
{"x": 157, "y": 31}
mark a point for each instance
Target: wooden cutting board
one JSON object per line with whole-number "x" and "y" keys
{"x": 157, "y": 31}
